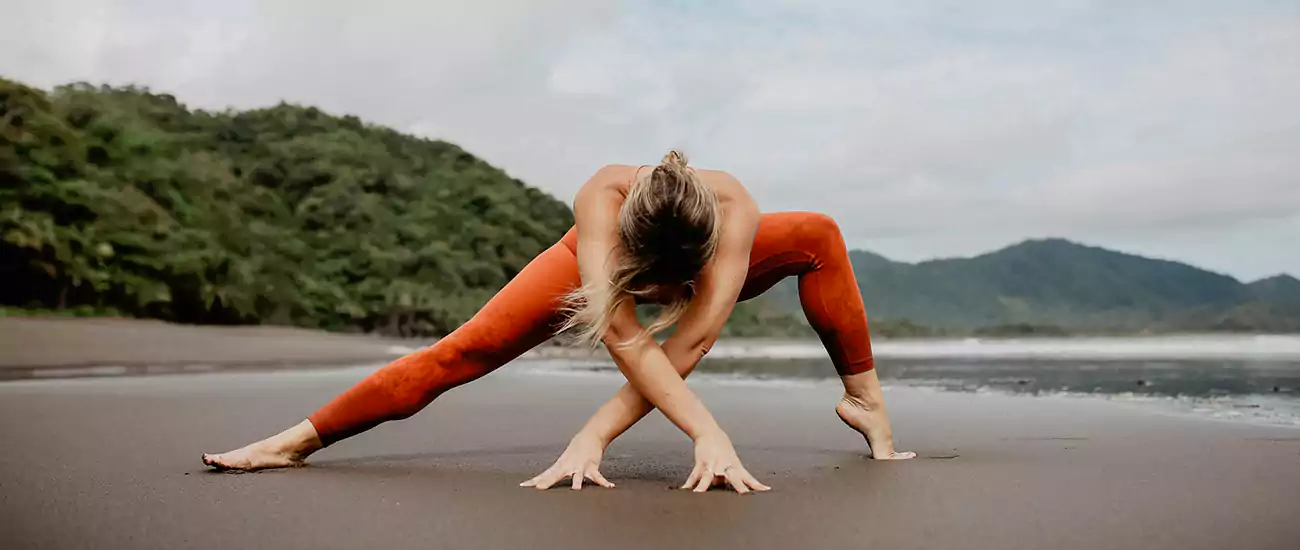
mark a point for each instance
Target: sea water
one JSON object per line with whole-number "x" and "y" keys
{"x": 1253, "y": 378}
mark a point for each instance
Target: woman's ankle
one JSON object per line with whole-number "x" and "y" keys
{"x": 298, "y": 442}
{"x": 865, "y": 403}
{"x": 863, "y": 390}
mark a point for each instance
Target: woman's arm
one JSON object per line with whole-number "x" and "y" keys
{"x": 649, "y": 371}
{"x": 720, "y": 286}
{"x": 652, "y": 376}
{"x": 640, "y": 358}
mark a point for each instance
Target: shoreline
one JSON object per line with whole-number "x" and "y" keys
{"x": 33, "y": 349}
{"x": 143, "y": 345}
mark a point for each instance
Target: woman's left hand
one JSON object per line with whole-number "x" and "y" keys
{"x": 581, "y": 460}
{"x": 716, "y": 463}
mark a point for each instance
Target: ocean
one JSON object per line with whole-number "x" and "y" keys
{"x": 1251, "y": 378}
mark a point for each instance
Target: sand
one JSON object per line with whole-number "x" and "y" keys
{"x": 71, "y": 342}
{"x": 53, "y": 347}
{"x": 114, "y": 463}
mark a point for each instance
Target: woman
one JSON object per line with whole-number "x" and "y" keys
{"x": 692, "y": 240}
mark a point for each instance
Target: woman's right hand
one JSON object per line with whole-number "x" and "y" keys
{"x": 581, "y": 460}
{"x": 716, "y": 462}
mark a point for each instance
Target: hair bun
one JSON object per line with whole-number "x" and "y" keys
{"x": 675, "y": 159}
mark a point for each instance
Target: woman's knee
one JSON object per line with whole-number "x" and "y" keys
{"x": 821, "y": 228}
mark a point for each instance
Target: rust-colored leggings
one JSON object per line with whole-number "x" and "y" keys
{"x": 526, "y": 313}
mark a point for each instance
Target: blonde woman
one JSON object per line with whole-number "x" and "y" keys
{"x": 691, "y": 240}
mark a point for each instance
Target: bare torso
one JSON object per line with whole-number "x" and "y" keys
{"x": 731, "y": 194}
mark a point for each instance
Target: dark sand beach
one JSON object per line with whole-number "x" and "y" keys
{"x": 114, "y": 463}
{"x": 28, "y": 343}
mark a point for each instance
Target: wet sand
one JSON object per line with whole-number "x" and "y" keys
{"x": 54, "y": 347}
{"x": 114, "y": 463}
{"x": 88, "y": 342}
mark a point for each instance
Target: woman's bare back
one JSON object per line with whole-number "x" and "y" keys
{"x": 731, "y": 193}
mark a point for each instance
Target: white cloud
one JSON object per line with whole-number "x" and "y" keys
{"x": 928, "y": 129}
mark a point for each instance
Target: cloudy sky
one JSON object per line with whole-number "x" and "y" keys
{"x": 929, "y": 129}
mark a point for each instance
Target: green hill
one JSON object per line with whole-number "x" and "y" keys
{"x": 1274, "y": 306}
{"x": 1057, "y": 283}
{"x": 1282, "y": 290}
{"x": 122, "y": 201}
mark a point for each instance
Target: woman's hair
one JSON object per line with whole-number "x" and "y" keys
{"x": 667, "y": 231}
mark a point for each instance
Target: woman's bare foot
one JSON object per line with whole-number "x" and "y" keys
{"x": 863, "y": 409}
{"x": 873, "y": 425}
{"x": 287, "y": 449}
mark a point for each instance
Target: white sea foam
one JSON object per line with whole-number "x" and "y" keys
{"x": 1251, "y": 409}
{"x": 401, "y": 350}
{"x": 1192, "y": 346}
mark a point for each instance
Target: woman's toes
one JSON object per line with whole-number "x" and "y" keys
{"x": 220, "y": 462}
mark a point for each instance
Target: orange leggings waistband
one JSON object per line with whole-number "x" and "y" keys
{"x": 527, "y": 312}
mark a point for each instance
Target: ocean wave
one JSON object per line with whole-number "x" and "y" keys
{"x": 1192, "y": 346}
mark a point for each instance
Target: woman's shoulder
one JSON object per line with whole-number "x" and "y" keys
{"x": 625, "y": 173}
{"x": 729, "y": 189}
{"x": 721, "y": 180}
{"x": 611, "y": 178}
{"x": 615, "y": 176}
{"x": 616, "y": 172}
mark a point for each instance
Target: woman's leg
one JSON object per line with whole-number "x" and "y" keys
{"x": 810, "y": 246}
{"x": 521, "y": 316}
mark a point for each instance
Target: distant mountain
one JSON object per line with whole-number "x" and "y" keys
{"x": 1282, "y": 290}
{"x": 1066, "y": 284}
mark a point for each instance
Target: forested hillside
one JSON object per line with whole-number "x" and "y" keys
{"x": 1055, "y": 284}
{"x": 122, "y": 201}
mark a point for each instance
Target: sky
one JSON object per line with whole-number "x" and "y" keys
{"x": 927, "y": 129}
